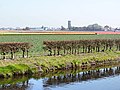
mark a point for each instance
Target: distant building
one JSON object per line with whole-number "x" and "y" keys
{"x": 69, "y": 25}
{"x": 108, "y": 28}
{"x": 116, "y": 29}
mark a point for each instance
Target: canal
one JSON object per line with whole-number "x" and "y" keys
{"x": 95, "y": 78}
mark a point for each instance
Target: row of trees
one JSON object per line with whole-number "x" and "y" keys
{"x": 13, "y": 47}
{"x": 80, "y": 46}
{"x": 93, "y": 27}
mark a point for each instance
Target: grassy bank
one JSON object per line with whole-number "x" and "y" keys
{"x": 9, "y": 68}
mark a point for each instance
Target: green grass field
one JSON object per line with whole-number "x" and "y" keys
{"x": 37, "y": 40}
{"x": 7, "y": 67}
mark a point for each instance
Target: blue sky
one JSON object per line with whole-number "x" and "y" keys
{"x": 54, "y": 13}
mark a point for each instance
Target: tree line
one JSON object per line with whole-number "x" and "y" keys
{"x": 80, "y": 46}
{"x": 13, "y": 47}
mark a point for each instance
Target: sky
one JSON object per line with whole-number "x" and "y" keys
{"x": 56, "y": 13}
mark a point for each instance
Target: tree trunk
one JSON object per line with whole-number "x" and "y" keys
{"x": 50, "y": 52}
{"x": 12, "y": 55}
{"x": 58, "y": 52}
{"x": 3, "y": 55}
{"x": 75, "y": 50}
{"x": 78, "y": 52}
{"x": 88, "y": 49}
{"x": 27, "y": 53}
{"x": 72, "y": 50}
{"x": 64, "y": 51}
{"x": 23, "y": 54}
{"x": 54, "y": 52}
{"x": 97, "y": 49}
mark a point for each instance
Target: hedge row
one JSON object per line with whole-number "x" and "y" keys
{"x": 13, "y": 47}
{"x": 80, "y": 46}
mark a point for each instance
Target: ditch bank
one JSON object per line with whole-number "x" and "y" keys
{"x": 46, "y": 64}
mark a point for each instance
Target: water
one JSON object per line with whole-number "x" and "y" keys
{"x": 95, "y": 79}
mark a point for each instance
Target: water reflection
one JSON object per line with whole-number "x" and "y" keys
{"x": 60, "y": 78}
{"x": 18, "y": 83}
{"x": 18, "y": 86}
{"x": 81, "y": 76}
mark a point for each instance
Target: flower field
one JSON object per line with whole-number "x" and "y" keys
{"x": 108, "y": 32}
